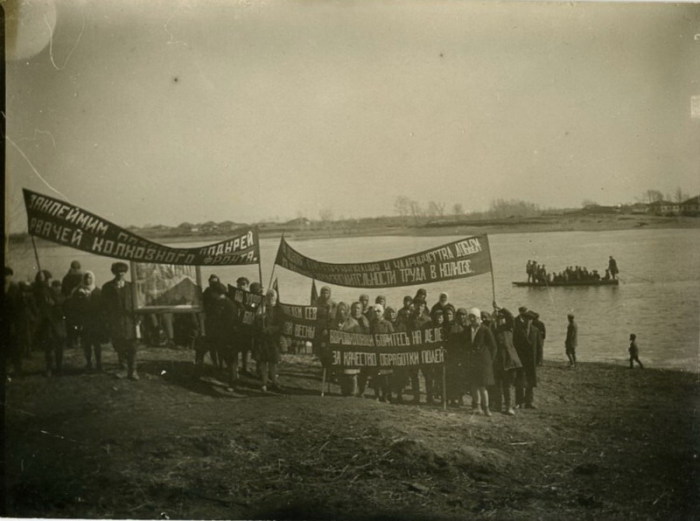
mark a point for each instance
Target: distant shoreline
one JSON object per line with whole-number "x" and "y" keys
{"x": 549, "y": 223}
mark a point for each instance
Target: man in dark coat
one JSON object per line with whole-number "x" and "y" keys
{"x": 119, "y": 314}
{"x": 543, "y": 333}
{"x": 219, "y": 325}
{"x": 525, "y": 339}
{"x": 612, "y": 267}
{"x": 70, "y": 281}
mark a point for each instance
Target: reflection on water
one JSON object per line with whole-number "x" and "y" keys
{"x": 657, "y": 298}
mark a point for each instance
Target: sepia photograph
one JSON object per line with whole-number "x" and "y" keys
{"x": 351, "y": 259}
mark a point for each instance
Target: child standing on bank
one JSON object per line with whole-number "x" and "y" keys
{"x": 634, "y": 352}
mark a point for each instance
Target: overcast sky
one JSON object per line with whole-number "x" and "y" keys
{"x": 162, "y": 112}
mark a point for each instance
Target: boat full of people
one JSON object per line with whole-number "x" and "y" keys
{"x": 538, "y": 276}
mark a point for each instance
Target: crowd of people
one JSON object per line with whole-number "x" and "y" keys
{"x": 537, "y": 273}
{"x": 489, "y": 356}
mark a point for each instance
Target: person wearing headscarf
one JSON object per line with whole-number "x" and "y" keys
{"x": 421, "y": 296}
{"x": 441, "y": 304}
{"x": 381, "y": 300}
{"x": 87, "y": 303}
{"x": 51, "y": 331}
{"x": 449, "y": 314}
{"x": 481, "y": 348}
{"x": 456, "y": 359}
{"x": 364, "y": 301}
{"x": 505, "y": 363}
{"x": 118, "y": 308}
{"x": 271, "y": 342}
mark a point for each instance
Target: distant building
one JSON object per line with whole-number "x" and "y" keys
{"x": 664, "y": 208}
{"x": 638, "y": 208}
{"x": 301, "y": 222}
{"x": 691, "y": 206}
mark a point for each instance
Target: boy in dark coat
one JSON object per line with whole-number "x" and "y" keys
{"x": 634, "y": 352}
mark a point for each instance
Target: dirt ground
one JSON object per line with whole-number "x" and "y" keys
{"x": 605, "y": 442}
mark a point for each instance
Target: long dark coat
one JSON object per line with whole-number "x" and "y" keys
{"x": 456, "y": 362}
{"x": 118, "y": 307}
{"x": 480, "y": 353}
{"x": 270, "y": 323}
{"x": 526, "y": 339}
{"x": 506, "y": 358}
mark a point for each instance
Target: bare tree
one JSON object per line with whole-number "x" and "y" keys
{"x": 416, "y": 210}
{"x": 457, "y": 209}
{"x": 513, "y": 207}
{"x": 402, "y": 206}
{"x": 679, "y": 196}
{"x": 436, "y": 209}
{"x": 652, "y": 196}
{"x": 326, "y": 214}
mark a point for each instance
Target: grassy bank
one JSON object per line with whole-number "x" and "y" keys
{"x": 604, "y": 443}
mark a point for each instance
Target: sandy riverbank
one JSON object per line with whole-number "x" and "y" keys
{"x": 605, "y": 442}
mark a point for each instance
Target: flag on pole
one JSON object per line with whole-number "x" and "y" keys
{"x": 314, "y": 293}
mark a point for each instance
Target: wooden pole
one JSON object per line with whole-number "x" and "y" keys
{"x": 493, "y": 280}
{"x": 273, "y": 266}
{"x": 36, "y": 255}
{"x": 444, "y": 389}
{"x": 257, "y": 232}
{"x": 323, "y": 382}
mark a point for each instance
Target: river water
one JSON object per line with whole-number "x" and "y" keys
{"x": 658, "y": 297}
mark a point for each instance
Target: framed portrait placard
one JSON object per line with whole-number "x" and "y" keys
{"x": 166, "y": 287}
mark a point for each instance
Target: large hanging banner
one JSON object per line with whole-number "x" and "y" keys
{"x": 298, "y": 322}
{"x": 456, "y": 260}
{"x": 386, "y": 350}
{"x": 70, "y": 225}
{"x": 166, "y": 287}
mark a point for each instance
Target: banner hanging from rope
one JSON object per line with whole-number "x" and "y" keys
{"x": 459, "y": 259}
{"x": 70, "y": 225}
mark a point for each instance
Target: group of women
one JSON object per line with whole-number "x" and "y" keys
{"x": 487, "y": 355}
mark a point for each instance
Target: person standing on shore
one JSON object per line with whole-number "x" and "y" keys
{"x": 88, "y": 307}
{"x": 72, "y": 279}
{"x": 571, "y": 340}
{"x": 543, "y": 334}
{"x": 612, "y": 267}
{"x": 119, "y": 314}
{"x": 525, "y": 338}
{"x": 481, "y": 348}
{"x": 634, "y": 352}
{"x": 505, "y": 363}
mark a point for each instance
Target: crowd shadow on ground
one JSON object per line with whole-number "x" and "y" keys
{"x": 212, "y": 381}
